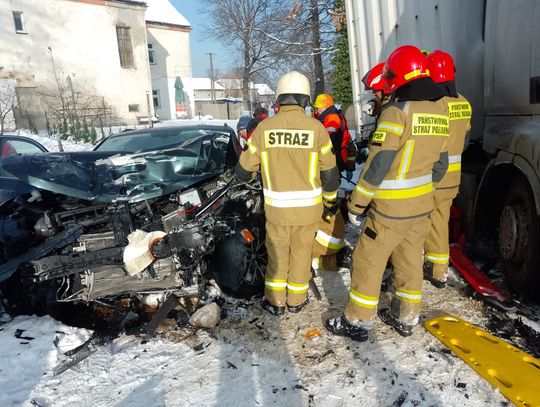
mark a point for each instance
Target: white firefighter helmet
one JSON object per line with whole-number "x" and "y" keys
{"x": 293, "y": 82}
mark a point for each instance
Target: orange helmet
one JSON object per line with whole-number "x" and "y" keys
{"x": 404, "y": 65}
{"x": 441, "y": 66}
{"x": 373, "y": 79}
{"x": 323, "y": 101}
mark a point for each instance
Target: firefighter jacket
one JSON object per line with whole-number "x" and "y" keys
{"x": 294, "y": 154}
{"x": 335, "y": 124}
{"x": 407, "y": 155}
{"x": 459, "y": 113}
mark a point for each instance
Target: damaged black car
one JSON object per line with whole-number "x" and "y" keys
{"x": 147, "y": 213}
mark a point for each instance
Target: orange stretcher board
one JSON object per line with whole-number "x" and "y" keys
{"x": 515, "y": 373}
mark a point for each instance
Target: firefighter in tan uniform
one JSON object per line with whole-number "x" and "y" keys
{"x": 407, "y": 156}
{"x": 436, "y": 250}
{"x": 294, "y": 154}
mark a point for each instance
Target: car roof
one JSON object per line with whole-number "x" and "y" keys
{"x": 216, "y": 127}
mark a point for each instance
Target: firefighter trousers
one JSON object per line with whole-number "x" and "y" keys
{"x": 329, "y": 240}
{"x": 402, "y": 241}
{"x": 436, "y": 247}
{"x": 288, "y": 272}
{"x": 324, "y": 257}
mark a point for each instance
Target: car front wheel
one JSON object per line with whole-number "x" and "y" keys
{"x": 239, "y": 265}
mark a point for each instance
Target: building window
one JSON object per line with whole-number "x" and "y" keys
{"x": 151, "y": 51}
{"x": 133, "y": 108}
{"x": 155, "y": 96}
{"x": 18, "y": 20}
{"x": 124, "y": 47}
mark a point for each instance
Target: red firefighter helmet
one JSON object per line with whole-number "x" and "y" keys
{"x": 405, "y": 64}
{"x": 441, "y": 66}
{"x": 373, "y": 79}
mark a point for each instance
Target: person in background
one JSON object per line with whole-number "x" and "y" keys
{"x": 436, "y": 249}
{"x": 259, "y": 115}
{"x": 241, "y": 130}
{"x": 373, "y": 80}
{"x": 336, "y": 126}
{"x": 299, "y": 176}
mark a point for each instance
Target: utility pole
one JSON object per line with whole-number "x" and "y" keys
{"x": 150, "y": 121}
{"x": 212, "y": 89}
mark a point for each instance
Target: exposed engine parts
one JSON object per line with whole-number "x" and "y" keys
{"x": 78, "y": 248}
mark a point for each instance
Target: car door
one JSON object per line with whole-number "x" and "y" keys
{"x": 15, "y": 145}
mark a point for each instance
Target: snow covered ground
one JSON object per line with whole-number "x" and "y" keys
{"x": 249, "y": 359}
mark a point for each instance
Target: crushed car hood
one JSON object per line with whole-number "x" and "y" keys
{"x": 106, "y": 176}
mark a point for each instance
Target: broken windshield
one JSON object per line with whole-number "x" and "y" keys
{"x": 111, "y": 177}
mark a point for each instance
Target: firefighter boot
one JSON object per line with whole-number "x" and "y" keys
{"x": 386, "y": 316}
{"x": 271, "y": 308}
{"x": 344, "y": 258}
{"x": 428, "y": 275}
{"x": 341, "y": 327}
{"x": 295, "y": 309}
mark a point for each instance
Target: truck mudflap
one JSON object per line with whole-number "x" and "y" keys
{"x": 484, "y": 289}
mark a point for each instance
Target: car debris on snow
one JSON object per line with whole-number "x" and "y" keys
{"x": 206, "y": 317}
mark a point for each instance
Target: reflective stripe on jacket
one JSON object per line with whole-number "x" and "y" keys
{"x": 407, "y": 155}
{"x": 459, "y": 112}
{"x": 291, "y": 149}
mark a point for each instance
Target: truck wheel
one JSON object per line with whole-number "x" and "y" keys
{"x": 519, "y": 239}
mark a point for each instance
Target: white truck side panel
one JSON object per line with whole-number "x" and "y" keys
{"x": 510, "y": 56}
{"x": 377, "y": 27}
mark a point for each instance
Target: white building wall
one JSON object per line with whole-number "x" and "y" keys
{"x": 172, "y": 58}
{"x": 82, "y": 37}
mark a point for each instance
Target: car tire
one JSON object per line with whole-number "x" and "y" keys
{"x": 519, "y": 239}
{"x": 239, "y": 266}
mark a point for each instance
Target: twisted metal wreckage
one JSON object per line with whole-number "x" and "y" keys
{"x": 129, "y": 230}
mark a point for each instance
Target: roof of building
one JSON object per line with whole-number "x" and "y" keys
{"x": 205, "y": 84}
{"x": 221, "y": 84}
{"x": 263, "y": 89}
{"x": 135, "y": 2}
{"x": 162, "y": 11}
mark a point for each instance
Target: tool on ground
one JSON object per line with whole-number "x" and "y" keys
{"x": 482, "y": 285}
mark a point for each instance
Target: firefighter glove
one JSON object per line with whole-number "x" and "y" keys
{"x": 330, "y": 210}
{"x": 356, "y": 220}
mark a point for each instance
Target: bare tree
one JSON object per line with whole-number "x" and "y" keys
{"x": 75, "y": 112}
{"x": 317, "y": 57}
{"x": 8, "y": 103}
{"x": 275, "y": 36}
{"x": 310, "y": 35}
{"x": 249, "y": 26}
